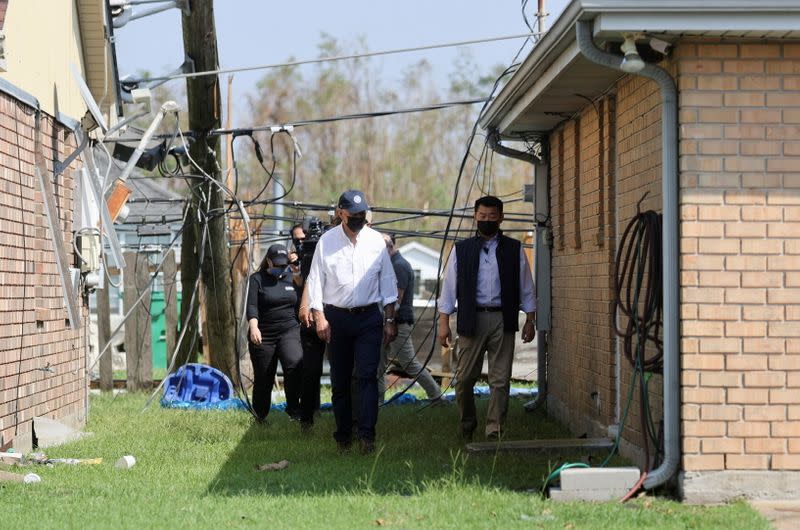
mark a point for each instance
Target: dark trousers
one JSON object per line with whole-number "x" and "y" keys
{"x": 313, "y": 354}
{"x": 283, "y": 346}
{"x": 355, "y": 342}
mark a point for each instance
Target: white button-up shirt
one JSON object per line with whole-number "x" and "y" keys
{"x": 488, "y": 294}
{"x": 347, "y": 275}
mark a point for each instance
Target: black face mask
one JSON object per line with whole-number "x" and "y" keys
{"x": 278, "y": 272}
{"x": 355, "y": 224}
{"x": 297, "y": 243}
{"x": 488, "y": 228}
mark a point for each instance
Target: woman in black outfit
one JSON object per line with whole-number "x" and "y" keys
{"x": 274, "y": 332}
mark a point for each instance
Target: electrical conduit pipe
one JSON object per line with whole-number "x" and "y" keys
{"x": 669, "y": 191}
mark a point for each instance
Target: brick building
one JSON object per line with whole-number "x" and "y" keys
{"x": 731, "y": 211}
{"x": 43, "y": 330}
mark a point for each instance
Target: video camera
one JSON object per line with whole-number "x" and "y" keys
{"x": 313, "y": 228}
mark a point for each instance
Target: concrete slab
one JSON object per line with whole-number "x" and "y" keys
{"x": 783, "y": 515}
{"x": 715, "y": 487}
{"x": 561, "y": 495}
{"x": 599, "y": 478}
{"x": 50, "y": 432}
{"x": 542, "y": 446}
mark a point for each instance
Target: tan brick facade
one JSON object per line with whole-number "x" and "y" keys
{"x": 740, "y": 254}
{"x": 42, "y": 370}
{"x": 615, "y": 173}
{"x": 739, "y": 114}
{"x": 581, "y": 372}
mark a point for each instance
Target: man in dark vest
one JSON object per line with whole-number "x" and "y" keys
{"x": 488, "y": 280}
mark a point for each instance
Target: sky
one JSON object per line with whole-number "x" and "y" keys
{"x": 253, "y": 32}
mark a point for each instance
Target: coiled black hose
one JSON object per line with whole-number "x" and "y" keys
{"x": 638, "y": 291}
{"x": 638, "y": 295}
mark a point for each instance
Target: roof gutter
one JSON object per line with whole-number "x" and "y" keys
{"x": 557, "y": 37}
{"x": 670, "y": 274}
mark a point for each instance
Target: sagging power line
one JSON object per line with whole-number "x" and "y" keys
{"x": 328, "y": 59}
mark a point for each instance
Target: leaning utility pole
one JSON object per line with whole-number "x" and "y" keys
{"x": 203, "y": 96}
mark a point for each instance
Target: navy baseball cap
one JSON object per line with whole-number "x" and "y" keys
{"x": 278, "y": 255}
{"x": 353, "y": 201}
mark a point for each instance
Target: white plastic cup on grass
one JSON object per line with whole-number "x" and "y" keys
{"x": 126, "y": 462}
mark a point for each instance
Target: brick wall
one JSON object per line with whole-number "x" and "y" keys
{"x": 581, "y": 370}
{"x": 617, "y": 168}
{"x": 638, "y": 186}
{"x": 740, "y": 255}
{"x": 41, "y": 359}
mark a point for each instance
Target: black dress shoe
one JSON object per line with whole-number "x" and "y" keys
{"x": 366, "y": 446}
{"x": 343, "y": 447}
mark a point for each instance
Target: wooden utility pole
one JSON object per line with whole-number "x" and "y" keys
{"x": 138, "y": 335}
{"x": 170, "y": 302}
{"x": 104, "y": 335}
{"x": 203, "y": 96}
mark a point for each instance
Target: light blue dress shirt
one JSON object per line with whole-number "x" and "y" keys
{"x": 488, "y": 294}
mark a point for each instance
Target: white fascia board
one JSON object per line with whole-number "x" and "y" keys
{"x": 552, "y": 40}
{"x": 542, "y": 82}
{"x": 688, "y": 7}
{"x": 649, "y": 16}
{"x": 614, "y": 24}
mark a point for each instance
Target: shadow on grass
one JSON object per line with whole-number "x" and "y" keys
{"x": 416, "y": 449}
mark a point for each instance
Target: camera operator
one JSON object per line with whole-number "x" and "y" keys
{"x": 313, "y": 347}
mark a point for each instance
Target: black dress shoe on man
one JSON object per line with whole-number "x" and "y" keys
{"x": 465, "y": 435}
{"x": 366, "y": 446}
{"x": 343, "y": 447}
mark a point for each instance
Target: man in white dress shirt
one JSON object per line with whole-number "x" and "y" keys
{"x": 351, "y": 277}
{"x": 489, "y": 279}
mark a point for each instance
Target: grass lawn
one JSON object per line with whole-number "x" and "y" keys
{"x": 197, "y": 470}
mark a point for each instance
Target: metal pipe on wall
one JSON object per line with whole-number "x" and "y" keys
{"x": 670, "y": 274}
{"x": 541, "y": 218}
{"x": 542, "y": 272}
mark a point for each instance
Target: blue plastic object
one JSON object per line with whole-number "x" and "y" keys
{"x": 228, "y": 404}
{"x": 198, "y": 383}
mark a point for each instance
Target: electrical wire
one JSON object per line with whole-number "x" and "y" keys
{"x": 133, "y": 306}
{"x": 485, "y": 101}
{"x": 314, "y": 121}
{"x": 442, "y": 262}
{"x": 330, "y": 59}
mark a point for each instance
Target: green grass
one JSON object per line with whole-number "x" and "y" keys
{"x": 158, "y": 374}
{"x": 196, "y": 470}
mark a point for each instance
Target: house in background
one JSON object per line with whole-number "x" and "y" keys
{"x": 43, "y": 337}
{"x": 714, "y": 145}
{"x": 425, "y": 262}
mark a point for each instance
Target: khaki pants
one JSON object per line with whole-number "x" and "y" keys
{"x": 488, "y": 337}
{"x": 401, "y": 353}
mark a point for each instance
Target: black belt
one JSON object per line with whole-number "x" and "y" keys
{"x": 488, "y": 309}
{"x": 353, "y": 310}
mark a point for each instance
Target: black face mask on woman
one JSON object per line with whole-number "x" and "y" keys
{"x": 355, "y": 224}
{"x": 488, "y": 228}
{"x": 278, "y": 272}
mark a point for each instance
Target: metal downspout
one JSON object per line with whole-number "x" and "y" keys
{"x": 542, "y": 276}
{"x": 542, "y": 258}
{"x": 670, "y": 278}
